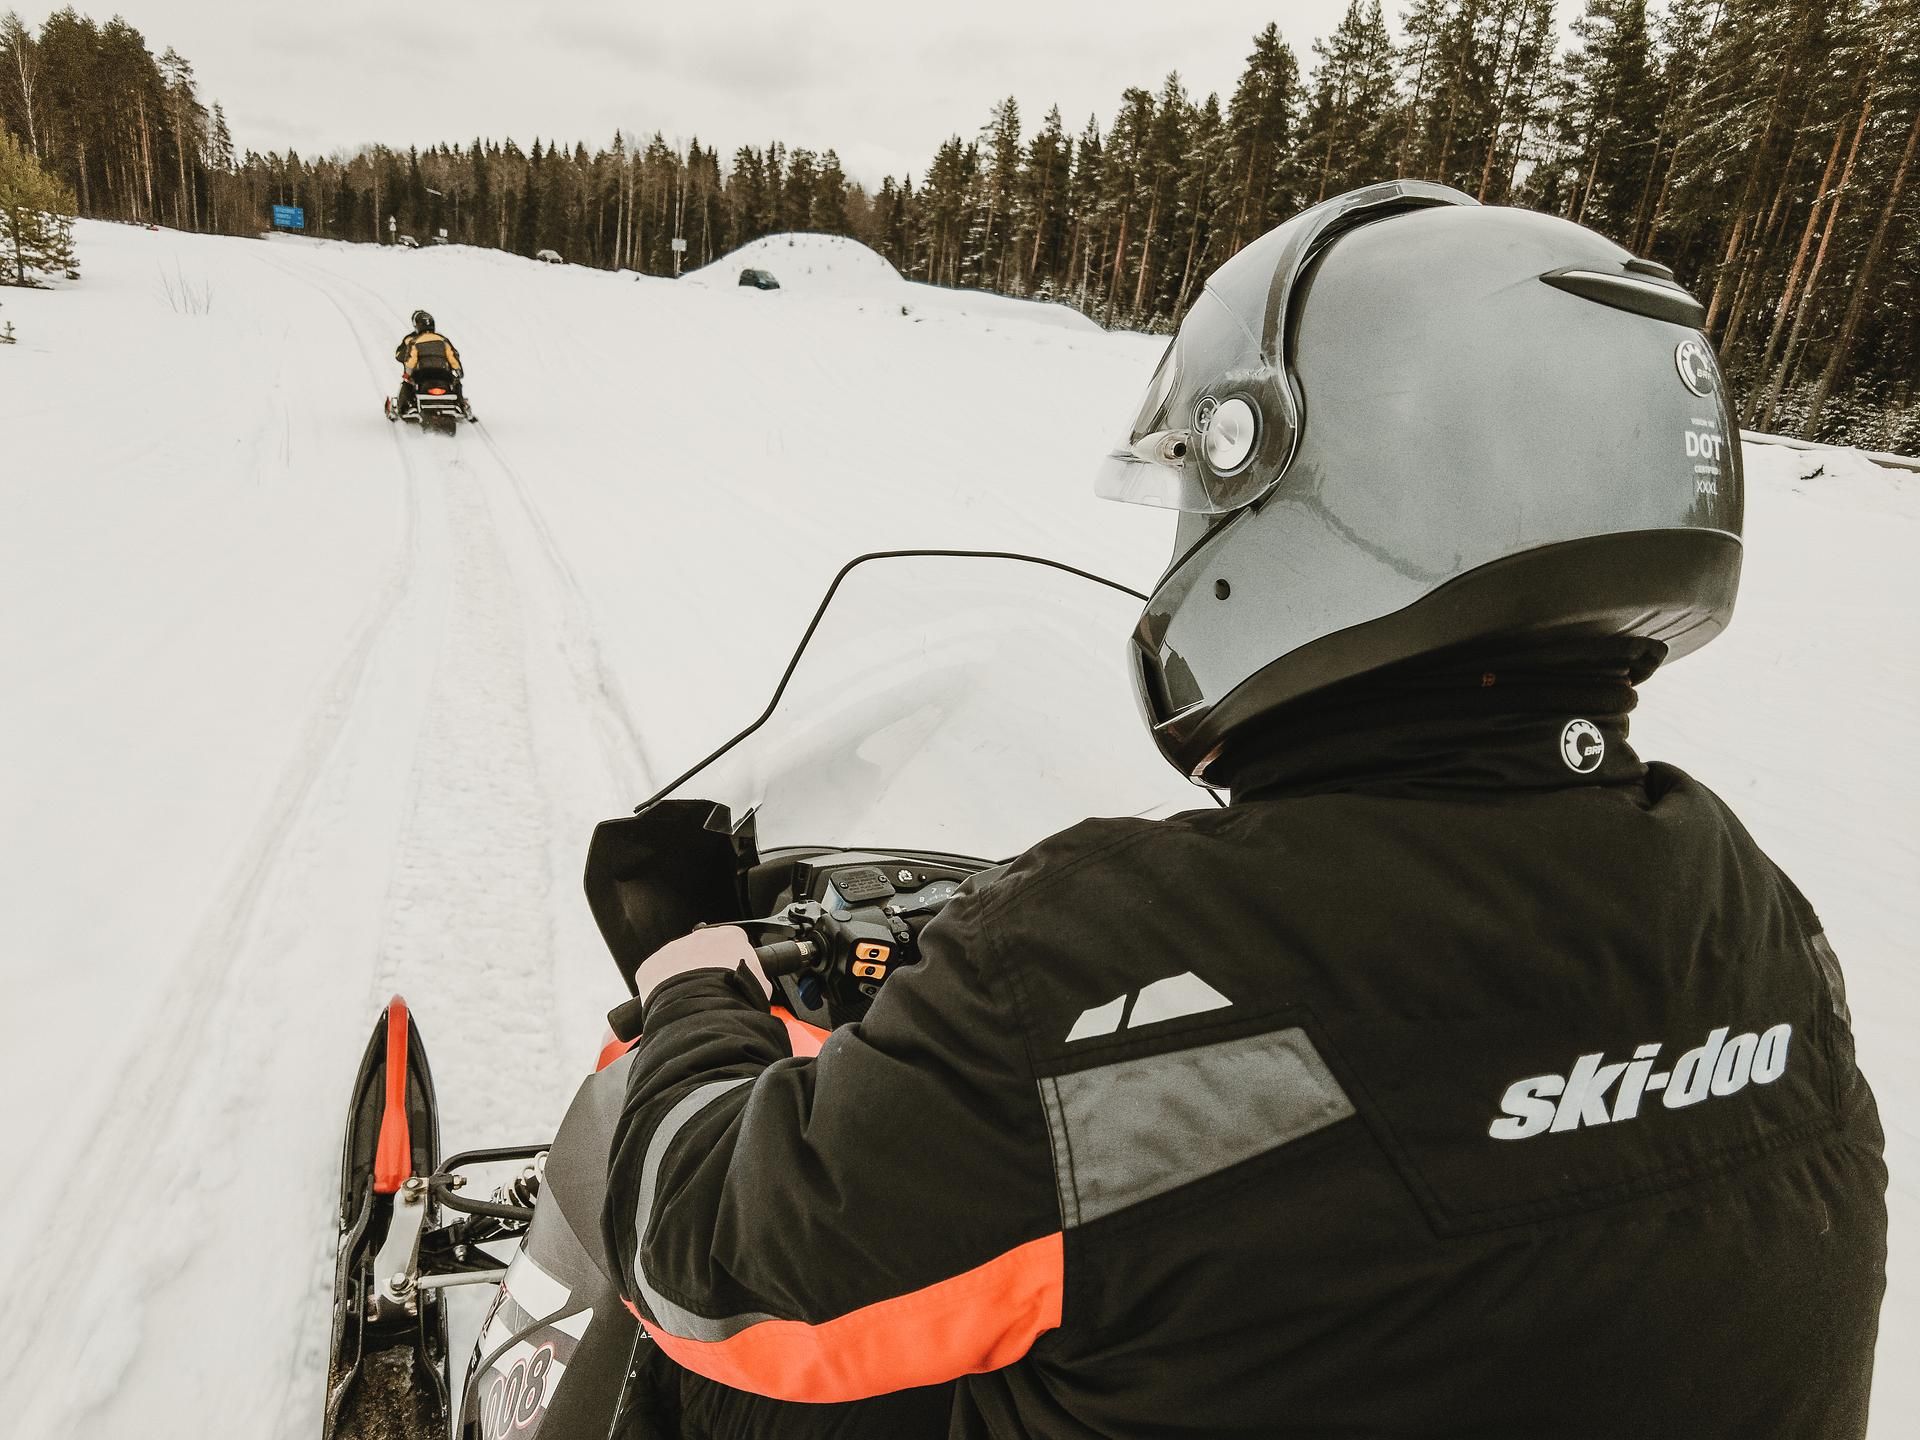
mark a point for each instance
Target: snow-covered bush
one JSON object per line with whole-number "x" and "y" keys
{"x": 36, "y": 218}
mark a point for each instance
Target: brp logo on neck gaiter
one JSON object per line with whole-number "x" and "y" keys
{"x": 1582, "y": 746}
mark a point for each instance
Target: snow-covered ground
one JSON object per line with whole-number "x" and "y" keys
{"x": 300, "y": 709}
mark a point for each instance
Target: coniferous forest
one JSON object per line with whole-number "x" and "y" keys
{"x": 1765, "y": 149}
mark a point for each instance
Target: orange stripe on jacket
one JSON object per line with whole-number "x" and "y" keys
{"x": 803, "y": 1039}
{"x": 978, "y": 1321}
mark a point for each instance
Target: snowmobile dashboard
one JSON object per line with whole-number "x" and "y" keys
{"x": 843, "y": 879}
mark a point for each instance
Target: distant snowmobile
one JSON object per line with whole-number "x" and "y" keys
{"x": 792, "y": 798}
{"x": 432, "y": 394}
{"x": 438, "y": 402}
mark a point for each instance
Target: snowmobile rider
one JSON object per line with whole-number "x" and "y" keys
{"x": 1466, "y": 1075}
{"x": 424, "y": 348}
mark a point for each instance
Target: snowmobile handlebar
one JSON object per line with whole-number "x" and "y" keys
{"x": 785, "y": 957}
{"x": 860, "y": 944}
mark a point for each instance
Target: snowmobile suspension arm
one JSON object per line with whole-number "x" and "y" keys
{"x": 443, "y": 1280}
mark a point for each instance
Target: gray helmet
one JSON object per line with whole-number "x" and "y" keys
{"x": 1402, "y": 424}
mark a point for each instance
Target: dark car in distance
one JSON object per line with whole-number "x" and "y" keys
{"x": 759, "y": 279}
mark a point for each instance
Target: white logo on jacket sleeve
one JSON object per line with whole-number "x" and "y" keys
{"x": 1542, "y": 1103}
{"x": 1171, "y": 999}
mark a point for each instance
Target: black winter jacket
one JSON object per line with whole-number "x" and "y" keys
{"x": 1432, "y": 1088}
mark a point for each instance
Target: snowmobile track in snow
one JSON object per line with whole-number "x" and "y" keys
{"x": 139, "y": 1139}
{"x": 622, "y": 744}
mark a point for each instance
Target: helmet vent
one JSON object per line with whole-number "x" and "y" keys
{"x": 1643, "y": 293}
{"x": 1650, "y": 267}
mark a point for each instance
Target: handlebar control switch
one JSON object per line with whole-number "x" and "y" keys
{"x": 872, "y": 950}
{"x": 871, "y": 960}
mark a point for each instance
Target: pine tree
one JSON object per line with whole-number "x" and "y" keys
{"x": 36, "y": 218}
{"x": 1610, "y": 126}
{"x": 1039, "y": 209}
{"x": 1261, "y": 122}
{"x": 1422, "y": 28}
{"x": 186, "y": 120}
{"x": 1086, "y": 255}
{"x": 1168, "y": 141}
{"x": 1523, "y": 39}
{"x": 526, "y": 224}
{"x": 999, "y": 176}
{"x": 831, "y": 194}
{"x": 946, "y": 196}
{"x": 1893, "y": 178}
{"x": 1347, "y": 137}
{"x": 1129, "y": 177}
{"x": 798, "y": 195}
{"x": 1198, "y": 202}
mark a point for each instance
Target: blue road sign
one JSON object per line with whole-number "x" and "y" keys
{"x": 289, "y": 217}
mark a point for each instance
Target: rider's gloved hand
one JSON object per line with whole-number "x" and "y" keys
{"x": 719, "y": 947}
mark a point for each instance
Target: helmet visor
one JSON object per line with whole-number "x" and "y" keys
{"x": 1220, "y": 420}
{"x": 1194, "y": 444}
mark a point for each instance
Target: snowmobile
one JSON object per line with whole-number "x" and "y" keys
{"x": 965, "y": 702}
{"x": 439, "y": 402}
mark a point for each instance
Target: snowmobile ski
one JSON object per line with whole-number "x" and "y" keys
{"x": 387, "y": 1375}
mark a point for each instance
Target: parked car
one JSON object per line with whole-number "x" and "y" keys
{"x": 409, "y": 243}
{"x": 759, "y": 279}
{"x": 549, "y": 257}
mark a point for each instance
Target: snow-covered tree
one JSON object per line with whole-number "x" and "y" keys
{"x": 36, "y": 218}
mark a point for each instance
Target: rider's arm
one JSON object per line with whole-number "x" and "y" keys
{"x": 454, "y": 356}
{"x": 882, "y": 1216}
{"x": 400, "y": 350}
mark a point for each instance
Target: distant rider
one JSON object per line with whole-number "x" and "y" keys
{"x": 424, "y": 348}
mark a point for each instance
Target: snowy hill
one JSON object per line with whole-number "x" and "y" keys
{"x": 805, "y": 262}
{"x": 302, "y": 709}
{"x": 847, "y": 272}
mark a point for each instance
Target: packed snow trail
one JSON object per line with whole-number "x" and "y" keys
{"x": 304, "y": 709}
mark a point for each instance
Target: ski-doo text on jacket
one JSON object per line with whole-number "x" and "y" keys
{"x": 1467, "y": 1076}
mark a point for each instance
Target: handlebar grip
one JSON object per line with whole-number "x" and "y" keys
{"x": 785, "y": 957}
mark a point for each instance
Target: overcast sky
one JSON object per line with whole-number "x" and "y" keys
{"x": 882, "y": 83}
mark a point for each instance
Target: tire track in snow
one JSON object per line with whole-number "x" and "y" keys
{"x": 468, "y": 929}
{"x": 476, "y": 821}
{"x": 622, "y": 746}
{"x": 467, "y": 935}
{"x": 621, "y": 743}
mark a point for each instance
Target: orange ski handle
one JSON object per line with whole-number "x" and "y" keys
{"x": 393, "y": 1157}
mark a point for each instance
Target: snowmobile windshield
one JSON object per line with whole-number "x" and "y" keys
{"x": 957, "y": 703}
